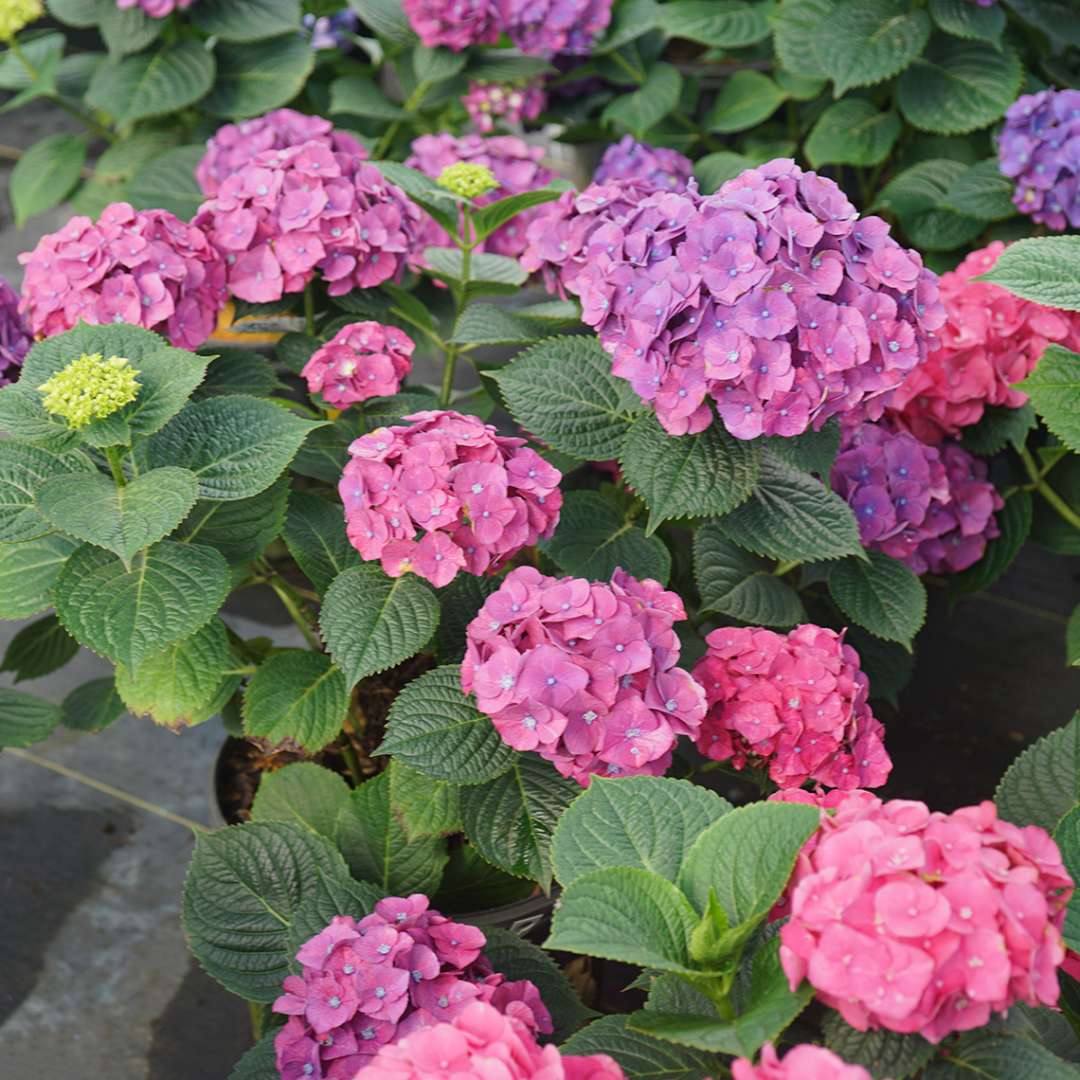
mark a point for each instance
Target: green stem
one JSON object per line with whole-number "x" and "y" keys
{"x": 1047, "y": 492}
{"x": 348, "y": 752}
{"x": 289, "y": 602}
{"x": 460, "y": 292}
{"x": 786, "y": 567}
{"x": 386, "y": 140}
{"x": 309, "y": 308}
{"x": 115, "y": 457}
{"x": 255, "y": 1012}
{"x": 625, "y": 64}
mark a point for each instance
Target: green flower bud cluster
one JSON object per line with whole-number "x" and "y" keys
{"x": 90, "y": 388}
{"x": 467, "y": 179}
{"x": 15, "y": 14}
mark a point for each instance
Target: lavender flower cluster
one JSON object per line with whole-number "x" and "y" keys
{"x": 15, "y": 338}
{"x": 660, "y": 166}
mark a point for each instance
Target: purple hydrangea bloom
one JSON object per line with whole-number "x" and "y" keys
{"x": 629, "y": 159}
{"x": 546, "y": 27}
{"x": 772, "y": 299}
{"x": 1039, "y": 148}
{"x": 457, "y": 24}
{"x": 331, "y": 31}
{"x": 15, "y": 338}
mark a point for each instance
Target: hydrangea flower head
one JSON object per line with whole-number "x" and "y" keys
{"x": 660, "y": 166}
{"x": 15, "y": 14}
{"x": 368, "y": 982}
{"x": 991, "y": 339}
{"x": 446, "y": 492}
{"x": 362, "y": 360}
{"x": 480, "y": 1043}
{"x": 486, "y": 102}
{"x": 305, "y": 209}
{"x": 156, "y": 9}
{"x": 512, "y": 161}
{"x": 771, "y": 299}
{"x": 467, "y": 179}
{"x": 931, "y": 507}
{"x": 234, "y": 145}
{"x": 546, "y": 27}
{"x": 803, "y": 1062}
{"x": 332, "y": 31}
{"x": 144, "y": 267}
{"x": 1039, "y": 148}
{"x": 90, "y": 388}
{"x": 924, "y": 922}
{"x": 15, "y": 338}
{"x": 457, "y": 24}
{"x": 795, "y": 703}
{"x": 583, "y": 672}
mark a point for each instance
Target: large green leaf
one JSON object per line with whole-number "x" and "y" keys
{"x": 296, "y": 695}
{"x": 488, "y": 324}
{"x": 496, "y": 214}
{"x": 886, "y": 1055}
{"x": 649, "y": 104}
{"x": 1067, "y": 838}
{"x": 854, "y": 131}
{"x": 93, "y": 706}
{"x": 993, "y": 1055}
{"x": 28, "y": 572}
{"x": 237, "y": 371}
{"x": 426, "y": 807}
{"x": 315, "y": 535}
{"x": 1045, "y": 269}
{"x": 24, "y": 469}
{"x": 304, "y": 793}
{"x": 459, "y": 602}
{"x": 44, "y": 176}
{"x": 728, "y": 24}
{"x": 1040, "y": 786}
{"x": 643, "y": 1057}
{"x": 115, "y": 168}
{"x": 1014, "y": 523}
{"x": 630, "y": 19}
{"x": 259, "y": 1062}
{"x": 38, "y": 649}
{"x": 246, "y": 20}
{"x": 25, "y": 719}
{"x": 23, "y": 417}
{"x": 256, "y": 77}
{"x": 168, "y": 182}
{"x": 746, "y": 99}
{"x": 964, "y": 19}
{"x": 716, "y": 169}
{"x": 796, "y": 30}
{"x": 126, "y": 30}
{"x": 1054, "y": 389}
{"x": 880, "y": 594}
{"x": 387, "y": 18}
{"x": 1058, "y": 19}
{"x": 982, "y": 191}
{"x": 358, "y": 95}
{"x": 918, "y": 197}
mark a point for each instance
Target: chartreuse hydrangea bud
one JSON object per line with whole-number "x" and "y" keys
{"x": 15, "y": 14}
{"x": 467, "y": 179}
{"x": 90, "y": 388}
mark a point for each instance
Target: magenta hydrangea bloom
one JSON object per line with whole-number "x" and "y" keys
{"x": 457, "y": 24}
{"x": 514, "y": 163}
{"x": 487, "y": 102}
{"x": 583, "y": 672}
{"x": 142, "y": 267}
{"x": 234, "y": 145}
{"x": 480, "y": 1043}
{"x": 394, "y": 972}
{"x": 931, "y": 507}
{"x": 771, "y": 298}
{"x": 546, "y": 27}
{"x": 795, "y": 703}
{"x": 802, "y": 1062}
{"x": 362, "y": 360}
{"x": 476, "y": 497}
{"x": 1039, "y": 148}
{"x": 156, "y": 9}
{"x": 917, "y": 921}
{"x": 303, "y": 209}
{"x": 628, "y": 159}
{"x": 15, "y": 337}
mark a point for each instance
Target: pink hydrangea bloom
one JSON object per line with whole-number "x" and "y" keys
{"x": 142, "y": 267}
{"x": 480, "y": 1043}
{"x": 546, "y": 27}
{"x": 931, "y": 507}
{"x": 515, "y": 164}
{"x": 583, "y": 673}
{"x": 796, "y": 703}
{"x": 156, "y": 9}
{"x": 917, "y": 921}
{"x": 628, "y": 159}
{"x": 457, "y": 24}
{"x": 362, "y": 360}
{"x": 803, "y": 1062}
{"x": 394, "y": 972}
{"x": 303, "y": 209}
{"x": 234, "y": 145}
{"x": 990, "y": 340}
{"x": 478, "y": 497}
{"x": 15, "y": 338}
{"x": 487, "y": 102}
{"x": 772, "y": 299}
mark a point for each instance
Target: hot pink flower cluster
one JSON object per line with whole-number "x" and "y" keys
{"x": 234, "y": 145}
{"x": 917, "y": 921}
{"x": 803, "y": 1062}
{"x": 794, "y": 702}
{"x": 990, "y": 340}
{"x": 514, "y": 163}
{"x": 660, "y": 166}
{"x": 480, "y": 1043}
{"x": 583, "y": 673}
{"x": 478, "y": 496}
{"x": 457, "y": 24}
{"x": 362, "y": 360}
{"x": 156, "y": 9}
{"x": 304, "y": 208}
{"x": 931, "y": 507}
{"x": 397, "y": 970}
{"x": 771, "y": 297}
{"x": 487, "y": 102}
{"x": 142, "y": 267}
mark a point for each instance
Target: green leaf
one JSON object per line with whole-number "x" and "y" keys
{"x": 1058, "y": 19}
{"x": 459, "y": 602}
{"x": 852, "y": 132}
{"x": 863, "y": 42}
{"x": 152, "y": 83}
{"x": 812, "y": 451}
{"x": 123, "y": 520}
{"x": 713, "y": 170}
{"x": 237, "y": 371}
{"x": 999, "y": 427}
{"x": 23, "y": 417}
{"x": 259, "y": 1062}
{"x": 487, "y": 324}
{"x": 126, "y": 31}
{"x": 246, "y": 20}
{"x": 487, "y": 273}
{"x": 376, "y": 848}
{"x": 38, "y": 649}
{"x": 1014, "y": 521}
{"x": 886, "y": 1055}
{"x": 990, "y": 1055}
{"x": 630, "y": 20}
{"x": 338, "y": 894}
{"x": 25, "y": 719}
{"x": 562, "y": 391}
{"x": 426, "y": 807}
{"x": 746, "y": 99}
{"x": 423, "y": 190}
{"x": 1067, "y": 838}
{"x": 645, "y": 107}
{"x": 243, "y": 887}
{"x": 128, "y": 615}
{"x": 721, "y": 23}
{"x": 1054, "y": 389}
{"x": 511, "y": 819}
{"x": 358, "y": 95}
{"x": 1045, "y": 269}
{"x": 1040, "y": 786}
{"x": 790, "y": 515}
{"x": 315, "y": 536}
{"x": 115, "y": 168}
{"x": 296, "y": 695}
{"x": 625, "y": 914}
{"x": 371, "y": 622}
{"x": 887, "y": 665}
{"x": 168, "y": 182}
{"x": 23, "y": 471}
{"x": 1072, "y": 639}
{"x": 468, "y": 877}
{"x": 797, "y": 27}
{"x": 595, "y": 536}
{"x": 44, "y": 176}
{"x": 881, "y": 594}
{"x": 28, "y": 572}
{"x": 39, "y": 50}
{"x": 303, "y": 793}
{"x": 93, "y": 706}
{"x": 505, "y": 65}
{"x": 387, "y": 18}
{"x": 496, "y": 214}
{"x": 236, "y": 445}
{"x": 963, "y": 19}
{"x": 687, "y": 475}
{"x": 737, "y": 583}
{"x": 256, "y": 77}
{"x": 643, "y": 821}
{"x": 959, "y": 86}
{"x": 917, "y": 197}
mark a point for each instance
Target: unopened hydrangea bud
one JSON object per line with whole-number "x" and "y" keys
{"x": 90, "y": 388}
{"x": 15, "y": 14}
{"x": 467, "y": 179}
